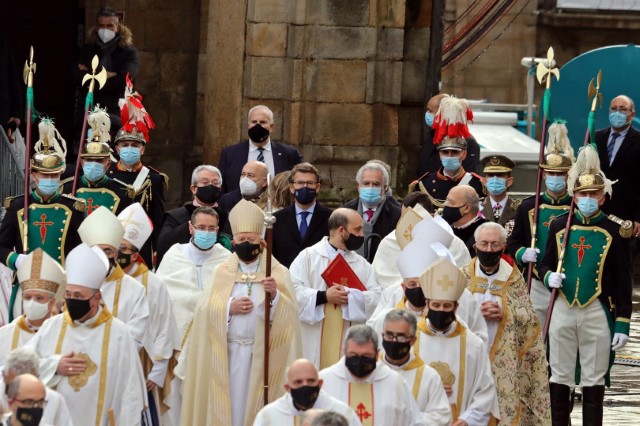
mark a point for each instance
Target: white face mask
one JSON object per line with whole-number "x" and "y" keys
{"x": 106, "y": 35}
{"x": 35, "y": 311}
{"x": 248, "y": 188}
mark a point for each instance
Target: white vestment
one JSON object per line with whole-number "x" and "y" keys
{"x": 55, "y": 413}
{"x": 126, "y": 299}
{"x": 459, "y": 354}
{"x": 384, "y": 262}
{"x": 306, "y": 272}
{"x": 185, "y": 274}
{"x": 282, "y": 412}
{"x": 14, "y": 335}
{"x": 393, "y": 403}
{"x": 113, "y": 380}
{"x": 467, "y": 311}
{"x": 6, "y": 283}
{"x": 426, "y": 387}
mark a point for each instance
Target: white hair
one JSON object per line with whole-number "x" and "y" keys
{"x": 373, "y": 166}
{"x": 265, "y": 108}
{"x": 23, "y": 361}
{"x": 491, "y": 225}
{"x": 208, "y": 167}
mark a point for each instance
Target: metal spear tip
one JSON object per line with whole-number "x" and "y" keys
{"x": 94, "y": 63}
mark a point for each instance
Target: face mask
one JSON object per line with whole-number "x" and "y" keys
{"x": 617, "y": 119}
{"x": 441, "y": 320}
{"x": 258, "y": 133}
{"x": 124, "y": 259}
{"x": 34, "y": 310}
{"x": 555, "y": 184}
{"x": 304, "y": 397}
{"x": 450, "y": 164}
{"x": 248, "y": 188}
{"x": 451, "y": 214}
{"x": 204, "y": 240}
{"x": 396, "y": 350}
{"x": 78, "y": 308}
{"x": 587, "y": 206}
{"x": 488, "y": 259}
{"x": 29, "y": 416}
{"x": 370, "y": 196}
{"x": 246, "y": 251}
{"x": 48, "y": 186}
{"x": 360, "y": 366}
{"x": 106, "y": 35}
{"x": 496, "y": 185}
{"x": 353, "y": 242}
{"x": 415, "y": 296}
{"x": 208, "y": 194}
{"x": 428, "y": 118}
{"x": 93, "y": 171}
{"x": 305, "y": 195}
{"x": 130, "y": 155}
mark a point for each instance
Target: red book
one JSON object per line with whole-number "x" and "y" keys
{"x": 339, "y": 272}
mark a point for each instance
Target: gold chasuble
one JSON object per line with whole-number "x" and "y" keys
{"x": 206, "y": 398}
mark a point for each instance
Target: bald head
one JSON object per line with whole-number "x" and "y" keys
{"x": 256, "y": 171}
{"x": 25, "y": 386}
{"x": 434, "y": 102}
{"x": 466, "y": 199}
{"x": 310, "y": 415}
{"x": 301, "y": 372}
{"x": 343, "y": 222}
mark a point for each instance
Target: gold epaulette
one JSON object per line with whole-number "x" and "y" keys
{"x": 78, "y": 203}
{"x": 165, "y": 182}
{"x": 8, "y": 200}
{"x": 515, "y": 203}
{"x": 626, "y": 226}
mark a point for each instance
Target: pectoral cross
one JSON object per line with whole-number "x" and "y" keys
{"x": 43, "y": 226}
{"x": 248, "y": 279}
{"x": 90, "y": 206}
{"x": 362, "y": 412}
{"x": 581, "y": 248}
{"x": 445, "y": 282}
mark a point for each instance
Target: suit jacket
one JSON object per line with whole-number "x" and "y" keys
{"x": 625, "y": 202}
{"x": 384, "y": 223}
{"x": 508, "y": 213}
{"x": 287, "y": 243}
{"x": 234, "y": 157}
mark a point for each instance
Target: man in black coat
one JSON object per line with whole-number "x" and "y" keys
{"x": 379, "y": 213}
{"x": 278, "y": 157}
{"x": 303, "y": 223}
{"x": 619, "y": 152}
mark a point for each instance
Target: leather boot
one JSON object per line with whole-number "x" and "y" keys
{"x": 592, "y": 400}
{"x": 560, "y": 404}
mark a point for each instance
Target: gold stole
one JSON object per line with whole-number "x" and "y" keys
{"x": 20, "y": 325}
{"x": 417, "y": 364}
{"x": 361, "y": 401}
{"x": 116, "y": 275}
{"x": 459, "y": 331}
{"x": 106, "y": 318}
{"x": 331, "y": 337}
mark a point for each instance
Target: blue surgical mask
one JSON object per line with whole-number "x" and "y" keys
{"x": 130, "y": 155}
{"x": 370, "y": 196}
{"x": 450, "y": 164}
{"x": 48, "y": 186}
{"x": 587, "y": 206}
{"x": 496, "y": 185}
{"x": 617, "y": 119}
{"x": 92, "y": 170}
{"x": 428, "y": 118}
{"x": 204, "y": 240}
{"x": 555, "y": 184}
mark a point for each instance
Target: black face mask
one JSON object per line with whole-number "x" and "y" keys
{"x": 353, "y": 242}
{"x": 208, "y": 194}
{"x": 247, "y": 251}
{"x": 78, "y": 308}
{"x": 360, "y": 366}
{"x": 441, "y": 320}
{"x": 488, "y": 259}
{"x": 305, "y": 195}
{"x": 451, "y": 214}
{"x": 29, "y": 416}
{"x": 396, "y": 350}
{"x": 304, "y": 397}
{"x": 124, "y": 259}
{"x": 258, "y": 133}
{"x": 415, "y": 296}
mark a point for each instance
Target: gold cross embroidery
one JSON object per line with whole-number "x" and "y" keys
{"x": 129, "y": 220}
{"x": 445, "y": 282}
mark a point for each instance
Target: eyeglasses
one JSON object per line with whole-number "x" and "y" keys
{"x": 495, "y": 245}
{"x": 401, "y": 338}
{"x": 207, "y": 182}
{"x": 207, "y": 228}
{"x": 30, "y": 403}
{"x": 623, "y": 110}
{"x": 301, "y": 183}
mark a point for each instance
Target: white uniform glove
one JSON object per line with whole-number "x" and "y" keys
{"x": 19, "y": 260}
{"x": 619, "y": 340}
{"x": 530, "y": 255}
{"x": 555, "y": 279}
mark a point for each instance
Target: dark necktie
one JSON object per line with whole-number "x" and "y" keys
{"x": 303, "y": 223}
{"x": 611, "y": 145}
{"x": 261, "y": 155}
{"x": 369, "y": 214}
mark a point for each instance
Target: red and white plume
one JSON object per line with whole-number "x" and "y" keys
{"x": 133, "y": 113}
{"x": 451, "y": 119}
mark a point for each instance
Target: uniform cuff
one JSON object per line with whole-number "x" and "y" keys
{"x": 546, "y": 280}
{"x": 11, "y": 260}
{"x": 622, "y": 326}
{"x": 518, "y": 255}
